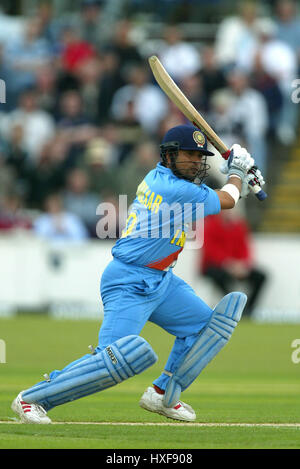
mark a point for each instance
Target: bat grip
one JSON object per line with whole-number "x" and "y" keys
{"x": 255, "y": 188}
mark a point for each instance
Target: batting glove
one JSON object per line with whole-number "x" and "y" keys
{"x": 239, "y": 162}
{"x": 255, "y": 176}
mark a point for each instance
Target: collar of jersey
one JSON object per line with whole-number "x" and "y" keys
{"x": 163, "y": 169}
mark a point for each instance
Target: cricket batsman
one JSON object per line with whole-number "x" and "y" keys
{"x": 139, "y": 285}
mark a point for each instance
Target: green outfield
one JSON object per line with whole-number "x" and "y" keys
{"x": 249, "y": 397}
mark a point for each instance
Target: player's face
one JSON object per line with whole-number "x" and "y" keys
{"x": 189, "y": 163}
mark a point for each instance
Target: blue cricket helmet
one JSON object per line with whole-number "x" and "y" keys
{"x": 187, "y": 137}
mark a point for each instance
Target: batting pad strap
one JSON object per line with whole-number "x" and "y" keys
{"x": 123, "y": 359}
{"x": 210, "y": 341}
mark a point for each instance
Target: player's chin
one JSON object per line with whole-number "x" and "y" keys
{"x": 192, "y": 175}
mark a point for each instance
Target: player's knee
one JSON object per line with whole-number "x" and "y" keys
{"x": 230, "y": 309}
{"x": 133, "y": 351}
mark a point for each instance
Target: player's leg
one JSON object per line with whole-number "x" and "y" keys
{"x": 123, "y": 359}
{"x": 200, "y": 334}
{"x": 121, "y": 353}
{"x": 183, "y": 314}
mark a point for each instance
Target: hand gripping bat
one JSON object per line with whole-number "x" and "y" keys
{"x": 180, "y": 100}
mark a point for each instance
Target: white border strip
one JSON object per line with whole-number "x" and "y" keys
{"x": 173, "y": 424}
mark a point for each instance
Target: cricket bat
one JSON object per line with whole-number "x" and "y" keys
{"x": 170, "y": 88}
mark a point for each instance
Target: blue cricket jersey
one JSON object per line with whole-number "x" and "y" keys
{"x": 160, "y": 216}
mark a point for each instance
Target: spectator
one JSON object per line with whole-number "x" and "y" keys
{"x": 143, "y": 158}
{"x": 79, "y": 200}
{"x": 123, "y": 48}
{"x": 212, "y": 76}
{"x": 175, "y": 51}
{"x": 140, "y": 101}
{"x": 7, "y": 176}
{"x": 263, "y": 82}
{"x": 288, "y": 25}
{"x": 118, "y": 56}
{"x": 249, "y": 116}
{"x": 25, "y": 57}
{"x": 10, "y": 27}
{"x": 50, "y": 26}
{"x": 220, "y": 117}
{"x": 89, "y": 76}
{"x": 46, "y": 89}
{"x": 57, "y": 225}
{"x": 11, "y": 214}
{"x": 75, "y": 51}
{"x": 74, "y": 126}
{"x": 280, "y": 62}
{"x": 49, "y": 173}
{"x": 90, "y": 22}
{"x": 110, "y": 81}
{"x": 71, "y": 111}
{"x": 192, "y": 87}
{"x": 227, "y": 256}
{"x": 38, "y": 126}
{"x": 99, "y": 163}
{"x": 236, "y": 34}
{"x": 17, "y": 160}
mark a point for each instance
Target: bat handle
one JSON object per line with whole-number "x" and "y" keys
{"x": 255, "y": 188}
{"x": 257, "y": 191}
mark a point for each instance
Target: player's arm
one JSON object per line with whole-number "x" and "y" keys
{"x": 230, "y": 193}
{"x": 239, "y": 163}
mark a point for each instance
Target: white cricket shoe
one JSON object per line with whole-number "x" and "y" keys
{"x": 153, "y": 402}
{"x": 29, "y": 413}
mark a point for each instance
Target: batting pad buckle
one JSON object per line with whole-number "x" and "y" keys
{"x": 210, "y": 341}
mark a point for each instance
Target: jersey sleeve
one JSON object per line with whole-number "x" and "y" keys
{"x": 203, "y": 195}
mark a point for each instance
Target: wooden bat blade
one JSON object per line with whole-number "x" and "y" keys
{"x": 170, "y": 88}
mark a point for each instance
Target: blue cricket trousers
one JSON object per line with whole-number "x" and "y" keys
{"x": 133, "y": 295}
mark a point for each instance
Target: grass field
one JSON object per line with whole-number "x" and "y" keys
{"x": 251, "y": 383}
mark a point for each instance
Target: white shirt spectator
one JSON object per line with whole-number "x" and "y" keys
{"x": 180, "y": 60}
{"x": 59, "y": 228}
{"x": 234, "y": 37}
{"x": 11, "y": 28}
{"x": 280, "y": 61}
{"x": 276, "y": 57}
{"x": 250, "y": 109}
{"x": 38, "y": 128}
{"x": 150, "y": 106}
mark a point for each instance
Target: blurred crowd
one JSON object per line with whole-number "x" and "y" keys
{"x": 83, "y": 117}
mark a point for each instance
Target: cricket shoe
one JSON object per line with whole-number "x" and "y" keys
{"x": 153, "y": 402}
{"x": 30, "y": 413}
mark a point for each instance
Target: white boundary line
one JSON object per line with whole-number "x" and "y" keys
{"x": 166, "y": 424}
